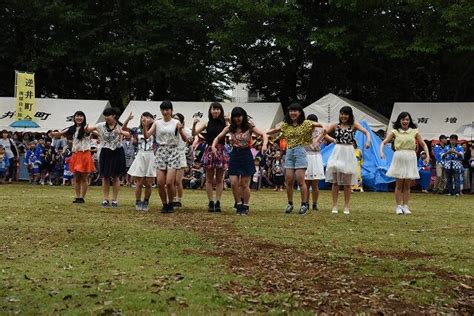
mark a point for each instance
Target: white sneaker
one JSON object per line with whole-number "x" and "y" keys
{"x": 334, "y": 210}
{"x": 399, "y": 210}
{"x": 346, "y": 211}
{"x": 406, "y": 210}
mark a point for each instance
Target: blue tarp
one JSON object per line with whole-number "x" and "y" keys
{"x": 373, "y": 168}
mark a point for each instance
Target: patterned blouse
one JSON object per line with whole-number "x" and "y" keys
{"x": 108, "y": 138}
{"x": 298, "y": 135}
{"x": 241, "y": 140}
{"x": 344, "y": 135}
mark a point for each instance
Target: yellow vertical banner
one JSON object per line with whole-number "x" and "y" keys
{"x": 25, "y": 95}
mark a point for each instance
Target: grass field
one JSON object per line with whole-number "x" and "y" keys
{"x": 59, "y": 257}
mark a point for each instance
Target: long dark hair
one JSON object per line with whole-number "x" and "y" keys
{"x": 216, "y": 105}
{"x": 347, "y": 110}
{"x": 236, "y": 112}
{"x": 72, "y": 129}
{"x": 295, "y": 106}
{"x": 146, "y": 114}
{"x": 312, "y": 117}
{"x": 180, "y": 117}
{"x": 398, "y": 123}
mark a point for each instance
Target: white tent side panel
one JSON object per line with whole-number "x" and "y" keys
{"x": 327, "y": 109}
{"x": 434, "y": 119}
{"x": 265, "y": 115}
{"x": 53, "y": 113}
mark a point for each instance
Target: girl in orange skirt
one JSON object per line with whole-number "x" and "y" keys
{"x": 81, "y": 163}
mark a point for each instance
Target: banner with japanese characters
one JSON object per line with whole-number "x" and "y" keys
{"x": 434, "y": 119}
{"x": 25, "y": 95}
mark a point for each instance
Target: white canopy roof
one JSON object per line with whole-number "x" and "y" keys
{"x": 264, "y": 115}
{"x": 434, "y": 119}
{"x": 327, "y": 110}
{"x": 53, "y": 113}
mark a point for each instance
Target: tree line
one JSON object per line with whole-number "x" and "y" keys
{"x": 376, "y": 52}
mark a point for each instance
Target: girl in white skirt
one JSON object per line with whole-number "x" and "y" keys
{"x": 342, "y": 164}
{"x": 315, "y": 170}
{"x": 143, "y": 166}
{"x": 404, "y": 163}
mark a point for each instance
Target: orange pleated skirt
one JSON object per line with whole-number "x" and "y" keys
{"x": 81, "y": 161}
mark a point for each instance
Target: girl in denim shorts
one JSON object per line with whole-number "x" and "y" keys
{"x": 241, "y": 163}
{"x": 297, "y": 132}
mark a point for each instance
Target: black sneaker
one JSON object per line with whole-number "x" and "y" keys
{"x": 289, "y": 209}
{"x": 210, "y": 206}
{"x": 315, "y": 206}
{"x": 164, "y": 208}
{"x": 170, "y": 208}
{"x": 239, "y": 209}
{"x": 217, "y": 207}
{"x": 77, "y": 200}
{"x": 245, "y": 210}
{"x": 177, "y": 204}
{"x": 81, "y": 200}
{"x": 303, "y": 209}
{"x": 105, "y": 203}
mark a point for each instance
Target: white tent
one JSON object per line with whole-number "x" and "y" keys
{"x": 327, "y": 110}
{"x": 53, "y": 113}
{"x": 434, "y": 119}
{"x": 265, "y": 115}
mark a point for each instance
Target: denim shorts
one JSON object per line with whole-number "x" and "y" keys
{"x": 295, "y": 158}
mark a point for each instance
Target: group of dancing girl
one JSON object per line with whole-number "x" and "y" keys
{"x": 161, "y": 155}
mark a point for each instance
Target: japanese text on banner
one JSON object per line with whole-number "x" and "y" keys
{"x": 25, "y": 96}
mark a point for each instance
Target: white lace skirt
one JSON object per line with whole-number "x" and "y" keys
{"x": 404, "y": 165}
{"x": 342, "y": 165}
{"x": 315, "y": 170}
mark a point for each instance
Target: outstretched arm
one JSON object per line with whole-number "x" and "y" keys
{"x": 274, "y": 131}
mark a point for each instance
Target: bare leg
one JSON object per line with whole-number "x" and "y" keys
{"x": 289, "y": 174}
{"x": 234, "y": 182}
{"x": 300, "y": 180}
{"x": 115, "y": 187}
{"x": 161, "y": 181}
{"x": 170, "y": 181}
{"x": 179, "y": 183}
{"x": 105, "y": 187}
{"x": 209, "y": 183}
{"x": 398, "y": 191}
{"x": 148, "y": 184}
{"x": 138, "y": 188}
{"x": 245, "y": 189}
{"x": 84, "y": 184}
{"x": 219, "y": 183}
{"x": 406, "y": 191}
{"x": 347, "y": 195}
{"x": 77, "y": 185}
{"x": 315, "y": 193}
{"x": 335, "y": 194}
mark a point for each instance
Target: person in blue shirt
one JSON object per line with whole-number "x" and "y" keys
{"x": 453, "y": 154}
{"x": 440, "y": 183}
{"x": 4, "y": 164}
{"x": 424, "y": 170}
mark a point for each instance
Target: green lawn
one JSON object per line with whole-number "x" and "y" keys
{"x": 58, "y": 257}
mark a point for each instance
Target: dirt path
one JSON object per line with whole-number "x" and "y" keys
{"x": 311, "y": 283}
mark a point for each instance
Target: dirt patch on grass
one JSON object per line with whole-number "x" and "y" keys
{"x": 402, "y": 255}
{"x": 289, "y": 279}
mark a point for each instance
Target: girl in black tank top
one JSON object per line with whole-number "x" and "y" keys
{"x": 214, "y": 164}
